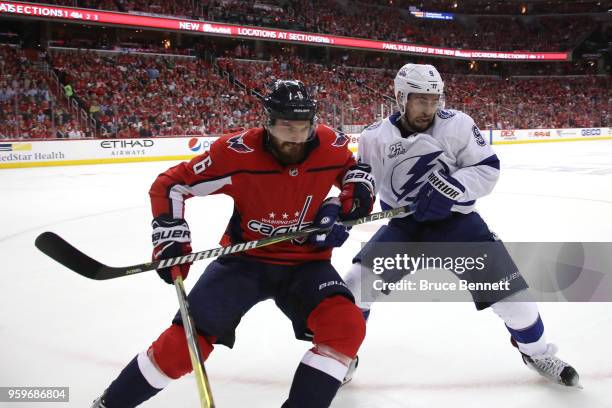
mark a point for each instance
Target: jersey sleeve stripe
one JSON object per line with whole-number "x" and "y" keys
{"x": 466, "y": 203}
{"x": 318, "y": 169}
{"x": 179, "y": 191}
{"x": 228, "y": 175}
{"x": 384, "y": 206}
{"x": 492, "y": 161}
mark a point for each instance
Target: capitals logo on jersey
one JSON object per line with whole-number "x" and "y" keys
{"x": 408, "y": 175}
{"x": 236, "y": 143}
{"x": 341, "y": 139}
{"x": 283, "y": 223}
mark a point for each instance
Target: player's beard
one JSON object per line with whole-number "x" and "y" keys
{"x": 419, "y": 124}
{"x": 287, "y": 152}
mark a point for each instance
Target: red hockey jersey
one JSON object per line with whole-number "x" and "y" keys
{"x": 269, "y": 198}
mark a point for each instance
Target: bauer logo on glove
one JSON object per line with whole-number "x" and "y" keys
{"x": 171, "y": 238}
{"x": 357, "y": 196}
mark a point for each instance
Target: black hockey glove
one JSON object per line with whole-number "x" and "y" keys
{"x": 357, "y": 196}
{"x": 334, "y": 234}
{"x": 171, "y": 238}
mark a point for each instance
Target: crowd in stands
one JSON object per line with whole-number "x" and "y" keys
{"x": 132, "y": 95}
{"x": 121, "y": 46}
{"x": 275, "y": 7}
{"x": 341, "y": 99}
{"x": 501, "y": 33}
{"x": 499, "y": 7}
{"x": 28, "y": 110}
{"x": 579, "y": 67}
{"x": 395, "y": 24}
{"x": 356, "y": 58}
{"x": 530, "y": 103}
{"x": 495, "y": 103}
{"x": 137, "y": 96}
{"x": 465, "y": 67}
{"x": 564, "y": 88}
{"x": 387, "y": 21}
{"x": 91, "y": 4}
{"x": 177, "y": 8}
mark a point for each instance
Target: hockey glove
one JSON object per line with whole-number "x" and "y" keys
{"x": 357, "y": 196}
{"x": 334, "y": 234}
{"x": 171, "y": 238}
{"x": 436, "y": 198}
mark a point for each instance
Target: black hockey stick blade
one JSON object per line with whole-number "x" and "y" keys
{"x": 63, "y": 252}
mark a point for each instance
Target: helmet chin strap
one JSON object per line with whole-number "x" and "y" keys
{"x": 401, "y": 103}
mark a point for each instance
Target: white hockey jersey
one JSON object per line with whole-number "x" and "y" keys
{"x": 401, "y": 161}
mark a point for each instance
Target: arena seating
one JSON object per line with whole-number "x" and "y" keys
{"x": 28, "y": 109}
{"x": 501, "y": 32}
{"x": 140, "y": 95}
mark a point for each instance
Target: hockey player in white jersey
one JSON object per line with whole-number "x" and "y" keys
{"x": 438, "y": 162}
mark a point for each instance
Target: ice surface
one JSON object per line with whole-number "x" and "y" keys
{"x": 58, "y": 329}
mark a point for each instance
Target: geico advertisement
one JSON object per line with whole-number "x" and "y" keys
{"x": 518, "y": 135}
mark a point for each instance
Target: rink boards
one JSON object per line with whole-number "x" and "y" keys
{"x": 513, "y": 136}
{"x": 39, "y": 153}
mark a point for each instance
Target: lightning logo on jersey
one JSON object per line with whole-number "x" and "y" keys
{"x": 452, "y": 145}
{"x": 409, "y": 175}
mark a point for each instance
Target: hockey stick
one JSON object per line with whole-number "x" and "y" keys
{"x": 59, "y": 249}
{"x": 197, "y": 362}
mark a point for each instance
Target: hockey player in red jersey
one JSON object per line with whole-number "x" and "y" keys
{"x": 279, "y": 177}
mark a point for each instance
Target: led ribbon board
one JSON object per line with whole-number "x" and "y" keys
{"x": 89, "y": 16}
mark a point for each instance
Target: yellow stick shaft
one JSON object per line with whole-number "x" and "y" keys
{"x": 206, "y": 398}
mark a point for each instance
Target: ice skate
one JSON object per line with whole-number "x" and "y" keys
{"x": 551, "y": 367}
